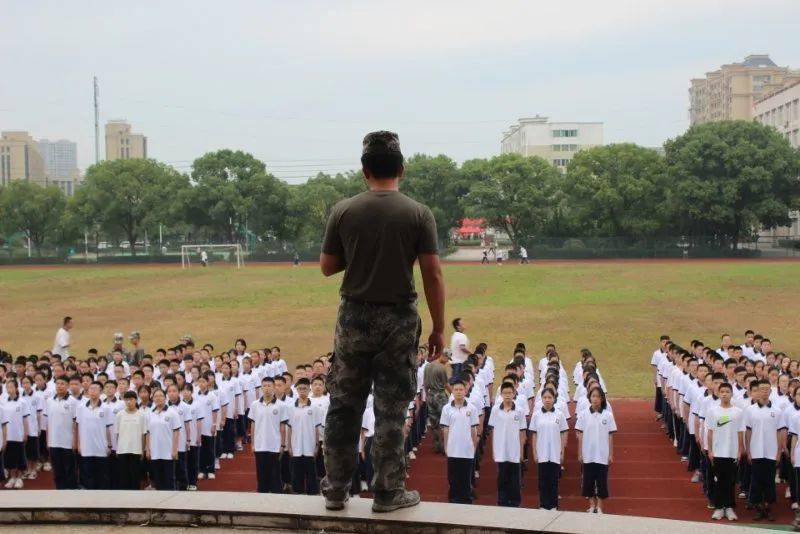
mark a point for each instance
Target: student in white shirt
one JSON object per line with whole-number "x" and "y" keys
{"x": 459, "y": 346}
{"x": 14, "y": 414}
{"x": 726, "y": 428}
{"x": 320, "y": 401}
{"x": 595, "y": 428}
{"x": 36, "y": 402}
{"x": 460, "y": 423}
{"x": 269, "y": 418}
{"x": 507, "y": 424}
{"x": 362, "y": 478}
{"x": 208, "y": 408}
{"x": 184, "y": 416}
{"x": 228, "y": 399}
{"x": 62, "y": 435}
{"x": 94, "y": 439}
{"x": 655, "y": 361}
{"x": 763, "y": 426}
{"x": 193, "y": 439}
{"x": 130, "y": 431}
{"x": 163, "y": 428}
{"x": 62, "y": 340}
{"x": 548, "y": 439}
{"x": 303, "y": 441}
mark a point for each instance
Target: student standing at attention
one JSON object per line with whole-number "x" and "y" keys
{"x": 94, "y": 439}
{"x": 131, "y": 431}
{"x": 460, "y": 424}
{"x": 303, "y": 441}
{"x": 62, "y": 435}
{"x": 163, "y": 428}
{"x": 548, "y": 438}
{"x": 269, "y": 419}
{"x": 595, "y": 428}
{"x": 507, "y": 423}
{"x": 762, "y": 421}
{"x": 725, "y": 446}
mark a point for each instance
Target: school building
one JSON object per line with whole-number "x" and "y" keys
{"x": 122, "y": 143}
{"x": 557, "y": 142}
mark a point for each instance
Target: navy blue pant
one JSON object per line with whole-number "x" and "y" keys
{"x": 229, "y": 436}
{"x": 181, "y": 472}
{"x": 509, "y": 484}
{"x": 192, "y": 464}
{"x": 304, "y": 475}
{"x": 762, "y": 481}
{"x": 64, "y": 468}
{"x": 207, "y": 454}
{"x": 94, "y": 472}
{"x": 549, "y": 473}
{"x": 459, "y": 477}
{"x": 162, "y": 474}
{"x": 268, "y": 472}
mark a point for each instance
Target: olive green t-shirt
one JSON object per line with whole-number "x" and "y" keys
{"x": 379, "y": 235}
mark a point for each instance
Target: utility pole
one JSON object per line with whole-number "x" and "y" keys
{"x": 96, "y": 123}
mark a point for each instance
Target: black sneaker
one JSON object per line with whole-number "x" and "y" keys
{"x": 402, "y": 499}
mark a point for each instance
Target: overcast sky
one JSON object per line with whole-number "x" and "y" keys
{"x": 297, "y": 83}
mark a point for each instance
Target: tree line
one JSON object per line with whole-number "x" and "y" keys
{"x": 721, "y": 180}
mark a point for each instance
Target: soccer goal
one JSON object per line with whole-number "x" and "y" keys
{"x": 196, "y": 251}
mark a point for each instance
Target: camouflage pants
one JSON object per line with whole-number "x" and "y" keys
{"x": 436, "y": 400}
{"x": 375, "y": 344}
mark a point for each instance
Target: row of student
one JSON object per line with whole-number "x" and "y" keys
{"x": 524, "y": 424}
{"x": 734, "y": 421}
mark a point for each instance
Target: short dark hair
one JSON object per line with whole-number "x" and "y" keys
{"x": 67, "y": 319}
{"x": 456, "y": 321}
{"x": 129, "y": 395}
{"x": 383, "y": 164}
{"x": 725, "y": 385}
{"x": 303, "y": 382}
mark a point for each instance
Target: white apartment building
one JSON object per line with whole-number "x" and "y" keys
{"x": 781, "y": 110}
{"x": 557, "y": 142}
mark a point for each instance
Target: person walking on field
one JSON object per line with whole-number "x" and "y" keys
{"x": 63, "y": 339}
{"x": 376, "y": 237}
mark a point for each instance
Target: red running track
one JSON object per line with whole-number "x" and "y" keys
{"x": 646, "y": 478}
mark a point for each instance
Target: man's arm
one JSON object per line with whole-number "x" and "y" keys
{"x": 433, "y": 282}
{"x": 330, "y": 264}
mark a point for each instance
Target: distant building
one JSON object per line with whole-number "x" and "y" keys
{"x": 20, "y": 159}
{"x": 729, "y": 92}
{"x": 781, "y": 110}
{"x": 122, "y": 143}
{"x": 557, "y": 142}
{"x": 61, "y": 163}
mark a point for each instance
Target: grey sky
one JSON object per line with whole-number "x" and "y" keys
{"x": 298, "y": 83}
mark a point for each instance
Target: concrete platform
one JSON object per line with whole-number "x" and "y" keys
{"x": 296, "y": 513}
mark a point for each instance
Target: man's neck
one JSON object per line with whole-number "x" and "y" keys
{"x": 384, "y": 184}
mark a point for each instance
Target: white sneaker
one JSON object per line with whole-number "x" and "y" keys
{"x": 18, "y": 484}
{"x": 696, "y": 477}
{"x": 742, "y": 495}
{"x": 718, "y": 514}
{"x": 191, "y": 488}
{"x": 795, "y": 506}
{"x": 730, "y": 515}
{"x": 684, "y": 458}
{"x": 211, "y": 476}
{"x": 364, "y": 486}
{"x": 47, "y": 466}
{"x": 216, "y": 464}
{"x": 787, "y": 493}
{"x": 598, "y": 511}
{"x": 201, "y": 476}
{"x": 777, "y": 479}
{"x": 412, "y": 456}
{"x": 414, "y": 449}
{"x": 591, "y": 510}
{"x": 477, "y": 474}
{"x": 230, "y": 456}
{"x": 674, "y": 442}
{"x": 9, "y": 483}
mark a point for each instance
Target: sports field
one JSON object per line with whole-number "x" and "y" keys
{"x": 616, "y": 308}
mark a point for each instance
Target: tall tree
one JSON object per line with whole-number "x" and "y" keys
{"x": 514, "y": 193}
{"x": 130, "y": 195}
{"x": 727, "y": 179}
{"x": 617, "y": 190}
{"x": 31, "y": 209}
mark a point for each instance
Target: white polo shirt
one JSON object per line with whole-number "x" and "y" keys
{"x": 130, "y": 427}
{"x": 61, "y": 343}
{"x": 161, "y": 426}
{"x": 14, "y": 413}
{"x": 367, "y": 425}
{"x": 596, "y": 428}
{"x": 193, "y": 410}
{"x": 793, "y": 423}
{"x": 764, "y": 423}
{"x": 248, "y": 382}
{"x": 36, "y": 404}
{"x": 456, "y": 341}
{"x": 506, "y": 426}
{"x": 93, "y": 425}
{"x": 548, "y": 425}
{"x": 267, "y": 419}
{"x": 207, "y": 405}
{"x": 725, "y": 425}
{"x": 184, "y": 415}
{"x": 303, "y": 422}
{"x": 459, "y": 420}
{"x": 60, "y": 413}
{"x": 227, "y": 397}
{"x": 114, "y": 406}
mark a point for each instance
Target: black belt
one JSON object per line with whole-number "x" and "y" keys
{"x": 351, "y": 300}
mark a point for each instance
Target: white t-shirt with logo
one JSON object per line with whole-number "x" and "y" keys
{"x": 725, "y": 425}
{"x": 506, "y": 426}
{"x": 596, "y": 427}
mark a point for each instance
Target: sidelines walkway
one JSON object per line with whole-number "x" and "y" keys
{"x": 646, "y": 478}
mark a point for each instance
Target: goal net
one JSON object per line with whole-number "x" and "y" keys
{"x": 197, "y": 253}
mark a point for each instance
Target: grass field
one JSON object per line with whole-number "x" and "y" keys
{"x": 617, "y": 309}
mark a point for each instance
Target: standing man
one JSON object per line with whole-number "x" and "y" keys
{"x": 437, "y": 391}
{"x": 459, "y": 347}
{"x": 523, "y": 255}
{"x": 63, "y": 339}
{"x": 137, "y": 352}
{"x": 119, "y": 339}
{"x": 375, "y": 237}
